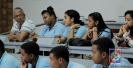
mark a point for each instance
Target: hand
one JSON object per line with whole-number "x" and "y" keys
{"x": 10, "y": 37}
{"x": 125, "y": 28}
{"x": 32, "y": 34}
{"x": 94, "y": 29}
{"x": 90, "y": 33}
{"x": 24, "y": 64}
{"x": 58, "y": 40}
{"x": 120, "y": 33}
{"x": 76, "y": 26}
{"x": 35, "y": 36}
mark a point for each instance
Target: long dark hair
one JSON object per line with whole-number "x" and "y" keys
{"x": 74, "y": 14}
{"x": 131, "y": 14}
{"x": 50, "y": 11}
{"x": 96, "y": 16}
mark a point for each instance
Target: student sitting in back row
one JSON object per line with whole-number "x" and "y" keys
{"x": 7, "y": 60}
{"x": 125, "y": 34}
{"x": 22, "y": 28}
{"x": 97, "y": 28}
{"x": 75, "y": 28}
{"x": 52, "y": 27}
{"x": 101, "y": 55}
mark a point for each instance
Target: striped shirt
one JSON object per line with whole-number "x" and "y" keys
{"x": 27, "y": 26}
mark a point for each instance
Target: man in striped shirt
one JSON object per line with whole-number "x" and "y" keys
{"x": 22, "y": 27}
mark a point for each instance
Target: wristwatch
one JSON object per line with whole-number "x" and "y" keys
{"x": 72, "y": 27}
{"x": 94, "y": 30}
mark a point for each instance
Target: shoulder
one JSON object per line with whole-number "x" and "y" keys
{"x": 82, "y": 27}
{"x": 44, "y": 60}
{"x": 29, "y": 21}
{"x": 107, "y": 30}
{"x": 10, "y": 57}
{"x": 75, "y": 65}
{"x": 59, "y": 24}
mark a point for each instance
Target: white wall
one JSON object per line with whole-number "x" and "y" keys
{"x": 110, "y": 9}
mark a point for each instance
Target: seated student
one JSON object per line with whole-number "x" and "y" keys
{"x": 125, "y": 34}
{"x": 7, "y": 60}
{"x": 59, "y": 58}
{"x": 29, "y": 54}
{"x": 22, "y": 27}
{"x": 52, "y": 27}
{"x": 97, "y": 27}
{"x": 75, "y": 28}
{"x": 100, "y": 55}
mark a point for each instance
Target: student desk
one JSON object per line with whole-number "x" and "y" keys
{"x": 126, "y": 52}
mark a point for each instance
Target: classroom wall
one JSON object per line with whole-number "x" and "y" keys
{"x": 110, "y": 9}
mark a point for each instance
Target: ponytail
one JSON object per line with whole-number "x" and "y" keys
{"x": 81, "y": 23}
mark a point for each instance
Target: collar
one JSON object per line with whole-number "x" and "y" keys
{"x": 36, "y": 63}
{"x": 56, "y": 23}
{"x": 22, "y": 23}
{"x": 4, "y": 54}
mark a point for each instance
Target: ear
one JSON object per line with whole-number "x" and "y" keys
{"x": 96, "y": 23}
{"x": 31, "y": 56}
{"x": 60, "y": 60}
{"x": 52, "y": 16}
{"x": 24, "y": 14}
{"x": 72, "y": 19}
{"x": 104, "y": 54}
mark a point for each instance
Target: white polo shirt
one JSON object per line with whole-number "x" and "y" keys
{"x": 27, "y": 26}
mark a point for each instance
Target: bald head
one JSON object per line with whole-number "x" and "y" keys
{"x": 19, "y": 9}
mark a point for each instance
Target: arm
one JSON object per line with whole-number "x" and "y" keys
{"x": 88, "y": 34}
{"x": 128, "y": 39}
{"x": 95, "y": 34}
{"x": 10, "y": 36}
{"x": 27, "y": 28}
{"x": 85, "y": 36}
{"x": 79, "y": 34}
{"x": 71, "y": 34}
{"x": 61, "y": 40}
{"x": 22, "y": 36}
{"x": 63, "y": 37}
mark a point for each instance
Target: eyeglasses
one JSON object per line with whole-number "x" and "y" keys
{"x": 20, "y": 15}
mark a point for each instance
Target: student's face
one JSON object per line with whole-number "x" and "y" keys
{"x": 67, "y": 20}
{"x": 19, "y": 16}
{"x": 91, "y": 22}
{"x": 54, "y": 63}
{"x": 96, "y": 55}
{"x": 129, "y": 20}
{"x": 47, "y": 18}
{"x": 24, "y": 56}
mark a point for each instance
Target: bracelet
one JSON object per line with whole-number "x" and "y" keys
{"x": 72, "y": 27}
{"x": 94, "y": 30}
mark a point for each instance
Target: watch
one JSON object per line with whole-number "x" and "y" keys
{"x": 72, "y": 27}
{"x": 94, "y": 30}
